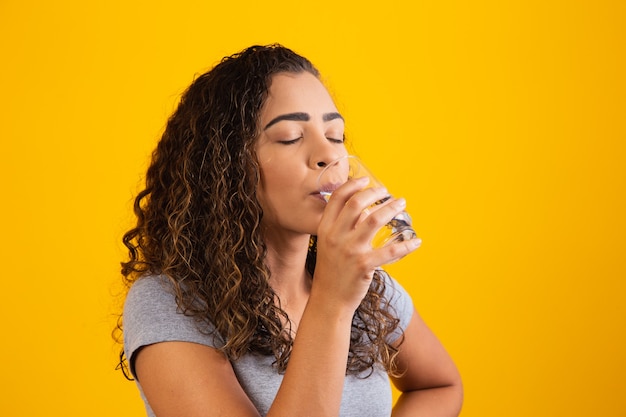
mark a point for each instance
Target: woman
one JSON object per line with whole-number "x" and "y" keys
{"x": 249, "y": 294}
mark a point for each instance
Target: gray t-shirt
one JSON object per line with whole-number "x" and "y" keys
{"x": 151, "y": 316}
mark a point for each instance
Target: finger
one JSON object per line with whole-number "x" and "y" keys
{"x": 396, "y": 251}
{"x": 361, "y": 204}
{"x": 378, "y": 219}
{"x": 378, "y": 216}
{"x": 342, "y": 195}
{"x": 346, "y": 190}
{"x": 376, "y": 206}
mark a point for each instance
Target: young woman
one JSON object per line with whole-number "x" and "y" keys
{"x": 249, "y": 294}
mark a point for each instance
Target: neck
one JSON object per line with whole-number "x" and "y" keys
{"x": 286, "y": 259}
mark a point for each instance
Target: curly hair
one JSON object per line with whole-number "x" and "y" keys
{"x": 198, "y": 218}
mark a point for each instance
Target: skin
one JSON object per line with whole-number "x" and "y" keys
{"x": 301, "y": 132}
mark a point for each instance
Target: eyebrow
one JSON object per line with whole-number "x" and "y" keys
{"x": 302, "y": 117}
{"x": 327, "y": 117}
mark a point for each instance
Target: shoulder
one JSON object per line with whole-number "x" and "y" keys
{"x": 151, "y": 315}
{"x": 151, "y": 295}
{"x": 146, "y": 287}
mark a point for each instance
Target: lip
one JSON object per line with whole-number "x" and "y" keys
{"x": 319, "y": 196}
{"x": 329, "y": 187}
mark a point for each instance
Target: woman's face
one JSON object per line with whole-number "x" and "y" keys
{"x": 301, "y": 132}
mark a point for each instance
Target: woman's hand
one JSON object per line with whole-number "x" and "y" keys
{"x": 346, "y": 260}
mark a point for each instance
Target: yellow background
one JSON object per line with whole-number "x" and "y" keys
{"x": 501, "y": 122}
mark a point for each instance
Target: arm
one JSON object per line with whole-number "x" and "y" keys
{"x": 191, "y": 380}
{"x": 187, "y": 379}
{"x": 431, "y": 385}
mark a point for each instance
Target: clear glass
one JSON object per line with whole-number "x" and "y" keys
{"x": 341, "y": 170}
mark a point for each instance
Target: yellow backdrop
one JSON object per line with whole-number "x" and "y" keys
{"x": 502, "y": 123}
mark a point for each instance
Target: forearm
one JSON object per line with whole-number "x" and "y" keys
{"x": 313, "y": 382}
{"x": 432, "y": 402}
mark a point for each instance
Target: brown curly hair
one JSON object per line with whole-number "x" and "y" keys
{"x": 198, "y": 218}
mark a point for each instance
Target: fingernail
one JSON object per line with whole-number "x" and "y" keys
{"x": 415, "y": 243}
{"x": 401, "y": 202}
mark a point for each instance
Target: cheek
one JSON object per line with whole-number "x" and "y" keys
{"x": 276, "y": 176}
{"x": 271, "y": 183}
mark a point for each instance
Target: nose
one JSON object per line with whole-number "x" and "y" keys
{"x": 325, "y": 152}
{"x": 322, "y": 159}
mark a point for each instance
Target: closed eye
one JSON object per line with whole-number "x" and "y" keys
{"x": 290, "y": 142}
{"x": 336, "y": 137}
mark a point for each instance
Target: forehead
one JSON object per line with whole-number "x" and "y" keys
{"x": 301, "y": 92}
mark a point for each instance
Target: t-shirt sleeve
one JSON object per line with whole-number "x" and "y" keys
{"x": 151, "y": 316}
{"x": 402, "y": 306}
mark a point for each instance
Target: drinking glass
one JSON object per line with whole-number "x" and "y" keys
{"x": 341, "y": 170}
